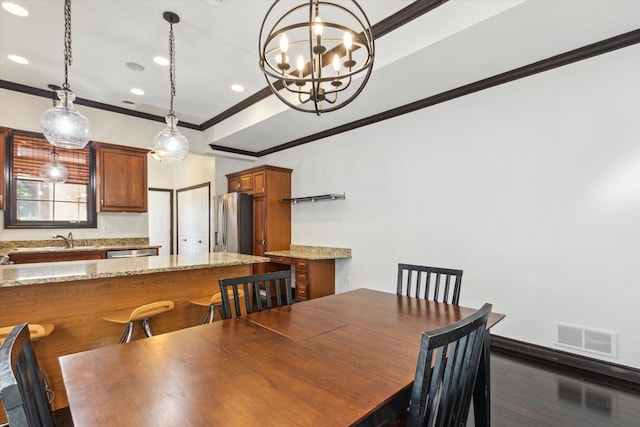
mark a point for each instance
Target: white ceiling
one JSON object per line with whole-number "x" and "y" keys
{"x": 457, "y": 43}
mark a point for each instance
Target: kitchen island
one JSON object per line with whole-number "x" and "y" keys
{"x": 74, "y": 295}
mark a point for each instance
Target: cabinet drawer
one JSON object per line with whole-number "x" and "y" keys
{"x": 302, "y": 276}
{"x": 281, "y": 260}
{"x": 302, "y": 291}
{"x": 302, "y": 264}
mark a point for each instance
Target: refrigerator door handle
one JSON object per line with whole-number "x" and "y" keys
{"x": 224, "y": 224}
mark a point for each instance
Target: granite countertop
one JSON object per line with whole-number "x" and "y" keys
{"x": 312, "y": 252}
{"x": 54, "y": 249}
{"x": 54, "y": 272}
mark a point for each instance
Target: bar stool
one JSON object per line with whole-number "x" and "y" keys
{"x": 131, "y": 315}
{"x": 212, "y": 302}
{"x": 36, "y": 330}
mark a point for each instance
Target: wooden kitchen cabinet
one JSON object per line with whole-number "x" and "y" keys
{"x": 4, "y": 134}
{"x": 271, "y": 217}
{"x": 313, "y": 278}
{"x": 121, "y": 178}
{"x": 69, "y": 255}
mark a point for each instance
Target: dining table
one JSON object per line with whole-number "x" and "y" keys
{"x": 347, "y": 359}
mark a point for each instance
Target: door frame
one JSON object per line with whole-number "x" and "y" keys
{"x": 171, "y": 216}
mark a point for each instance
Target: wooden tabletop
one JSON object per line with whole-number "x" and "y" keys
{"x": 329, "y": 361}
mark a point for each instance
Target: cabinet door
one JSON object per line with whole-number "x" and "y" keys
{"x": 259, "y": 181}
{"x": 246, "y": 183}
{"x": 122, "y": 178}
{"x": 3, "y": 157}
{"x": 259, "y": 225}
{"x": 234, "y": 184}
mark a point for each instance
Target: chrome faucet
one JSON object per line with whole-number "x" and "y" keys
{"x": 67, "y": 240}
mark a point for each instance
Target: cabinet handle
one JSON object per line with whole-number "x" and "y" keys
{"x": 101, "y": 202}
{"x": 199, "y": 241}
{"x": 264, "y": 242}
{"x": 1, "y": 198}
{"x": 184, "y": 240}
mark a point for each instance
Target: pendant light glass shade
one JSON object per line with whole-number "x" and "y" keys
{"x": 54, "y": 171}
{"x": 63, "y": 125}
{"x": 169, "y": 144}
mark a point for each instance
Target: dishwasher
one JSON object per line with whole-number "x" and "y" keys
{"x": 131, "y": 253}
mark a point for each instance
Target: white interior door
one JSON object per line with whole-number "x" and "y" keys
{"x": 161, "y": 219}
{"x": 193, "y": 219}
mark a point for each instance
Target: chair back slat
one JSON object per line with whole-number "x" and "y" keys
{"x": 436, "y": 282}
{"x": 446, "y": 372}
{"x": 22, "y": 385}
{"x": 280, "y": 280}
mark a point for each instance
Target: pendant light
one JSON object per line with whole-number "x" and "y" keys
{"x": 63, "y": 125}
{"x": 169, "y": 145}
{"x": 317, "y": 56}
{"x": 54, "y": 171}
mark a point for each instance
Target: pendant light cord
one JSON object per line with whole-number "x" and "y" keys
{"x": 67, "y": 42}
{"x": 172, "y": 65}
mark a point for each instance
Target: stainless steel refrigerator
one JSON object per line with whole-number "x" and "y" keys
{"x": 233, "y": 223}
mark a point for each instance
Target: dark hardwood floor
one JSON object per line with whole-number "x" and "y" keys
{"x": 524, "y": 393}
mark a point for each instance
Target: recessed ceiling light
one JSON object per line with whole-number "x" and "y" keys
{"x": 237, "y": 88}
{"x": 160, "y": 60}
{"x": 15, "y": 9}
{"x": 18, "y": 59}
{"x": 134, "y": 66}
{"x": 137, "y": 91}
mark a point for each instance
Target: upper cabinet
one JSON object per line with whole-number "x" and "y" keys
{"x": 4, "y": 134}
{"x": 121, "y": 178}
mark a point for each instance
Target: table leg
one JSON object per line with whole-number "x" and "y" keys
{"x": 481, "y": 392}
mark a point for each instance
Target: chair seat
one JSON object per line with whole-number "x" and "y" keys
{"x": 216, "y": 299}
{"x": 139, "y": 313}
{"x": 36, "y": 330}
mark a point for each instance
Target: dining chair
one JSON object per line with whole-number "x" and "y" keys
{"x": 280, "y": 281}
{"x": 432, "y": 283}
{"x": 446, "y": 372}
{"x": 22, "y": 385}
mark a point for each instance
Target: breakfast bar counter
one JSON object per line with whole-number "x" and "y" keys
{"x": 74, "y": 295}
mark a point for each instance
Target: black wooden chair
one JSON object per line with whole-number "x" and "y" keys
{"x": 22, "y": 384}
{"x": 446, "y": 372}
{"x": 432, "y": 283}
{"x": 279, "y": 282}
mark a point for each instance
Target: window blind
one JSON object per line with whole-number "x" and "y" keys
{"x": 31, "y": 152}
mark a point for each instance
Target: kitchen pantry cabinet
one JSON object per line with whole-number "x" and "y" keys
{"x": 4, "y": 134}
{"x": 121, "y": 178}
{"x": 271, "y": 217}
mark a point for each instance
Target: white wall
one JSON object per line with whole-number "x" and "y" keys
{"x": 532, "y": 188}
{"x": 21, "y": 111}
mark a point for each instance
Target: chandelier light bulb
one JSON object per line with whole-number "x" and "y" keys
{"x": 347, "y": 40}
{"x": 317, "y": 26}
{"x": 300, "y": 63}
{"x": 336, "y": 63}
{"x": 284, "y": 44}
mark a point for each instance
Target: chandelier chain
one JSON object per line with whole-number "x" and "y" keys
{"x": 172, "y": 65}
{"x": 67, "y": 42}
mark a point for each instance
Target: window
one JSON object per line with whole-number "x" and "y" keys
{"x": 38, "y": 204}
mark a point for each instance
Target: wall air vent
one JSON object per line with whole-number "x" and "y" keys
{"x": 591, "y": 340}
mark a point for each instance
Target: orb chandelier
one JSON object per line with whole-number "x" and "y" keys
{"x": 53, "y": 171}
{"x": 318, "y": 56}
{"x": 63, "y": 125}
{"x": 169, "y": 145}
